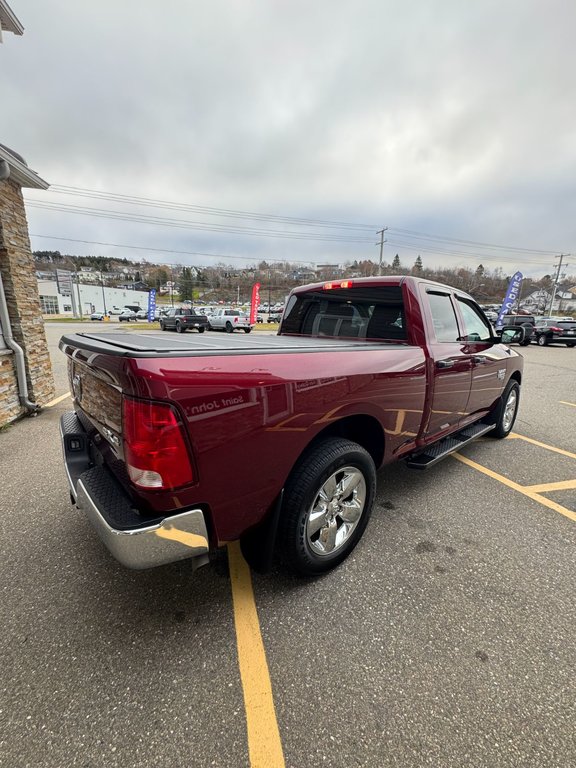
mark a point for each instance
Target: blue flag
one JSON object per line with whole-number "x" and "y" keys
{"x": 512, "y": 295}
{"x": 151, "y": 305}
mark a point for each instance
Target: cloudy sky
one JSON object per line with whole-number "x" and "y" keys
{"x": 443, "y": 120}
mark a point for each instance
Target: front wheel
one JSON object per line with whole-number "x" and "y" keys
{"x": 506, "y": 411}
{"x": 542, "y": 341}
{"x": 327, "y": 503}
{"x": 179, "y": 328}
{"x": 162, "y": 326}
{"x": 571, "y": 344}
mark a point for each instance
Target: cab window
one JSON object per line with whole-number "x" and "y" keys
{"x": 443, "y": 317}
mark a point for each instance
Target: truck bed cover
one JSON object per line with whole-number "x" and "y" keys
{"x": 157, "y": 344}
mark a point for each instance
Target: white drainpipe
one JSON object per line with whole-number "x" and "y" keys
{"x": 31, "y": 407}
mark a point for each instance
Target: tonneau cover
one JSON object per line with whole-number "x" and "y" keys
{"x": 158, "y": 344}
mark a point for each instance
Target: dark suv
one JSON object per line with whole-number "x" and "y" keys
{"x": 519, "y": 321}
{"x": 555, "y": 332}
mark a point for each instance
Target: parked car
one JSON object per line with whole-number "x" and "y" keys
{"x": 555, "y": 332}
{"x": 183, "y": 319}
{"x": 142, "y": 314}
{"x": 126, "y": 315}
{"x": 519, "y": 321}
{"x": 97, "y": 316}
{"x": 160, "y": 451}
{"x": 275, "y": 317}
{"x": 115, "y": 310}
{"x": 230, "y": 320}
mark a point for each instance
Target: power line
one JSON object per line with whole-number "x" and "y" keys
{"x": 456, "y": 241}
{"x": 486, "y": 257}
{"x": 167, "y": 250}
{"x": 407, "y": 238}
{"x": 225, "y": 212}
{"x": 202, "y": 226}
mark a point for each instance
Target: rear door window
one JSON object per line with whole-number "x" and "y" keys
{"x": 443, "y": 317}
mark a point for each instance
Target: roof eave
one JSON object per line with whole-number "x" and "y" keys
{"x": 20, "y": 172}
{"x": 8, "y": 19}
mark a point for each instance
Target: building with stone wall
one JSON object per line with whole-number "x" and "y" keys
{"x": 26, "y": 381}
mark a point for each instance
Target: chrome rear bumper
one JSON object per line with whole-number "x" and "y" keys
{"x": 136, "y": 544}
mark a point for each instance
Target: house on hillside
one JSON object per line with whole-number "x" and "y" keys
{"x": 538, "y": 302}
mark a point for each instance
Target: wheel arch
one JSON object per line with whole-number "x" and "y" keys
{"x": 363, "y": 429}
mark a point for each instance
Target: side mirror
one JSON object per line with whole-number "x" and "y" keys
{"x": 513, "y": 335}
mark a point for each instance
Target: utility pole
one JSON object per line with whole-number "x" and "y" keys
{"x": 382, "y": 241}
{"x": 555, "y": 286}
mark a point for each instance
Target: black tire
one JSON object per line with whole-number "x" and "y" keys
{"x": 542, "y": 340}
{"x": 571, "y": 344}
{"x": 247, "y": 330}
{"x": 179, "y": 328}
{"x": 210, "y": 327}
{"x": 506, "y": 411}
{"x": 323, "y": 468}
{"x": 162, "y": 326}
{"x": 229, "y": 328}
{"x": 201, "y": 329}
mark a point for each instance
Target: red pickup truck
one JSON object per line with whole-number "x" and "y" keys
{"x": 178, "y": 445}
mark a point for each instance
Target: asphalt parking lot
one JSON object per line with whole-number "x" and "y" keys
{"x": 446, "y": 639}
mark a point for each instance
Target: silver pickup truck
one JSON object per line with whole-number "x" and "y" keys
{"x": 229, "y": 320}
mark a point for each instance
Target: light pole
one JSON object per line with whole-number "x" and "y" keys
{"x": 103, "y": 292}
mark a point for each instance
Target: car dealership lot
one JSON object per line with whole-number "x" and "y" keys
{"x": 446, "y": 639}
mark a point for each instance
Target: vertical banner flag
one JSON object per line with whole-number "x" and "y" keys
{"x": 512, "y": 295}
{"x": 255, "y": 303}
{"x": 151, "y": 305}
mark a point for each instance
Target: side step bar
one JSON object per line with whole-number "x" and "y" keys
{"x": 438, "y": 451}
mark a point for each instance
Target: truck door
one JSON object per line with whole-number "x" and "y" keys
{"x": 488, "y": 359}
{"x": 450, "y": 365}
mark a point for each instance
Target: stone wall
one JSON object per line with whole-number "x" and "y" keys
{"x": 20, "y": 287}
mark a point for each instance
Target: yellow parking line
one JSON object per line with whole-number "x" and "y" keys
{"x": 542, "y": 445}
{"x": 516, "y": 487}
{"x": 57, "y": 400}
{"x": 264, "y": 745}
{"x": 564, "y": 485}
{"x": 565, "y": 403}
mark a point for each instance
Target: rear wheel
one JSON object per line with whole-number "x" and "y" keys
{"x": 571, "y": 344}
{"x": 179, "y": 328}
{"x": 162, "y": 326}
{"x": 542, "y": 340}
{"x": 201, "y": 329}
{"x": 506, "y": 411}
{"x": 327, "y": 503}
{"x": 229, "y": 328}
{"x": 247, "y": 330}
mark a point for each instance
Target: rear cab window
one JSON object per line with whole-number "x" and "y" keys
{"x": 358, "y": 312}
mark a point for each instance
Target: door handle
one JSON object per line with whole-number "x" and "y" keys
{"x": 445, "y": 364}
{"x": 479, "y": 360}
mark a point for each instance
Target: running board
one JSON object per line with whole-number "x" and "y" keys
{"x": 438, "y": 451}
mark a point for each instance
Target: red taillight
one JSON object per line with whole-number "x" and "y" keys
{"x": 555, "y": 329}
{"x": 154, "y": 447}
